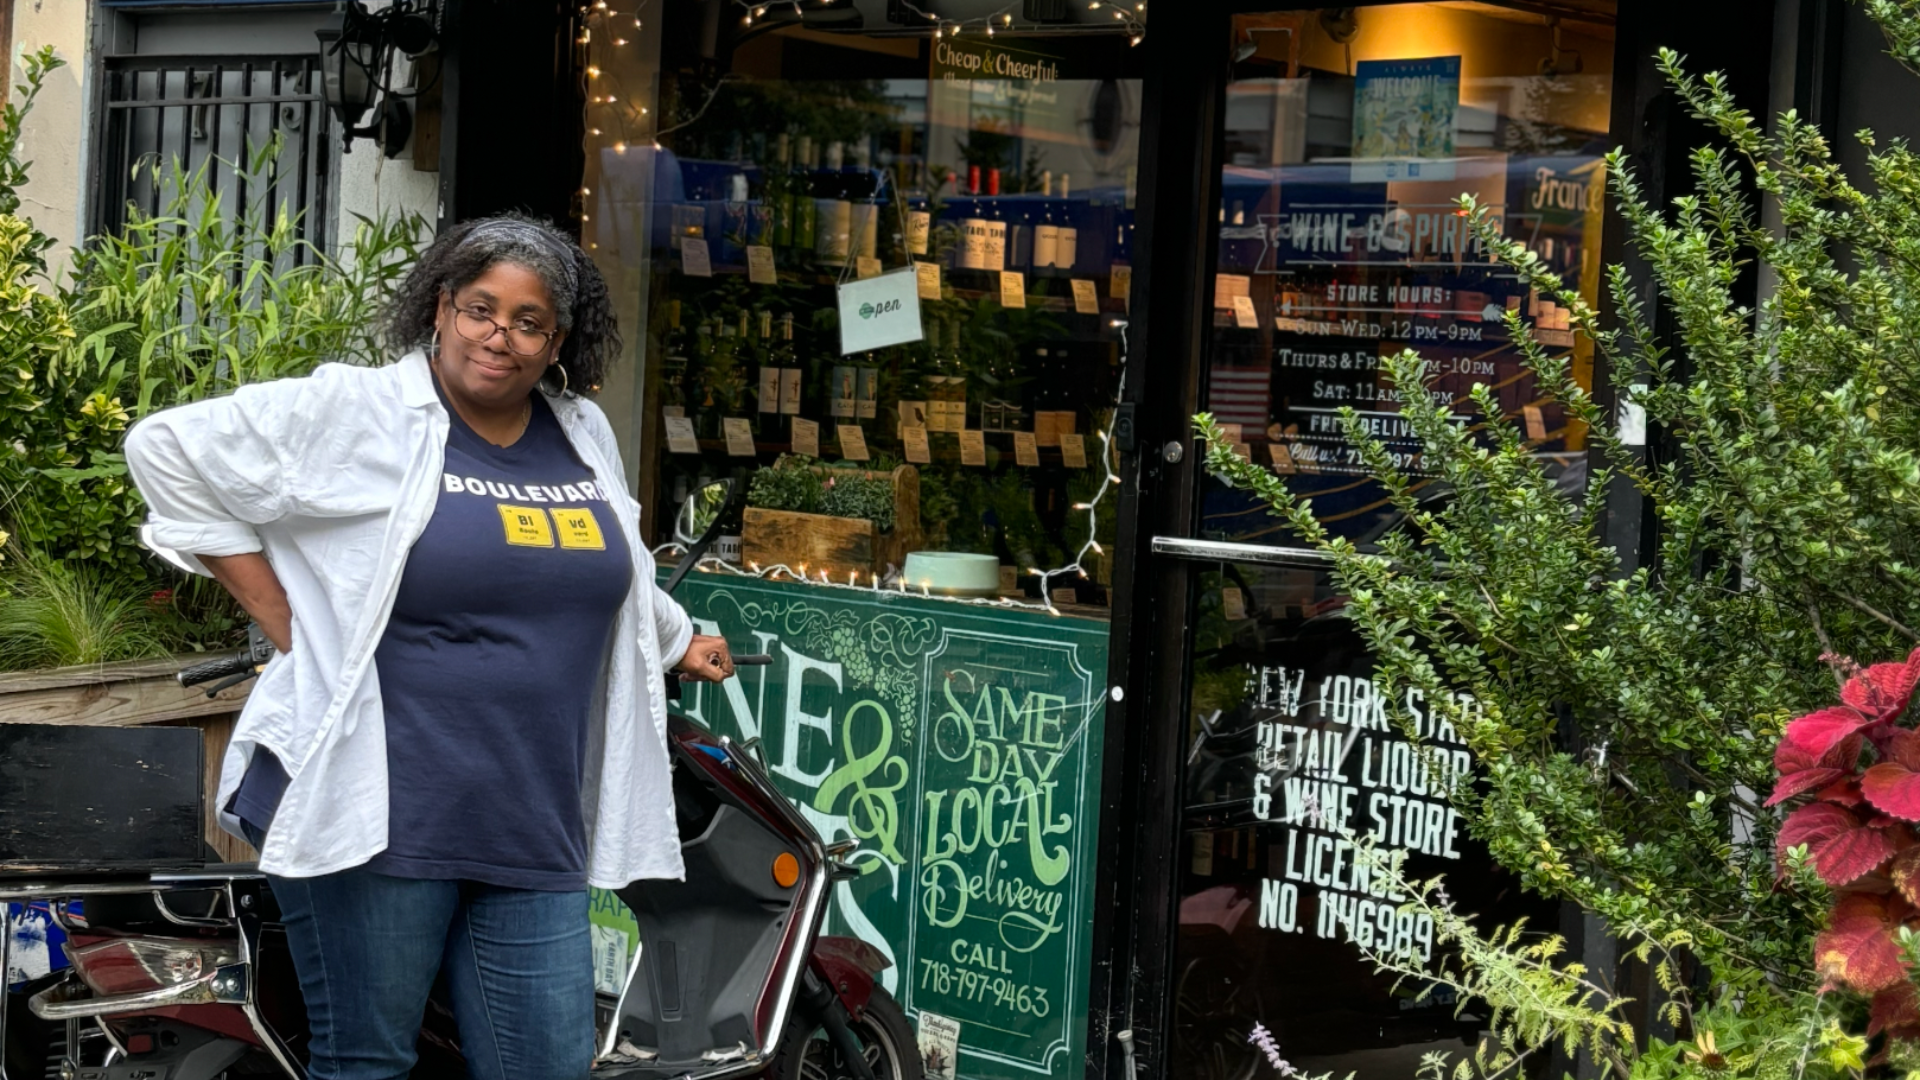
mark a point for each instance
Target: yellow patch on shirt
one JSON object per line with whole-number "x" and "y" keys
{"x": 526, "y": 526}
{"x": 579, "y": 528}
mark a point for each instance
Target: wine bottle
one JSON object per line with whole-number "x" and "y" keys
{"x": 834, "y": 239}
{"x": 769, "y": 368}
{"x": 1066, "y": 251}
{"x": 1046, "y": 234}
{"x": 863, "y": 189}
{"x": 919, "y": 215}
{"x": 996, "y": 254}
{"x": 806, "y": 212}
{"x": 973, "y": 227}
{"x": 788, "y": 363}
{"x": 780, "y": 193}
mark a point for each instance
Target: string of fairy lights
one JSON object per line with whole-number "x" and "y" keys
{"x": 617, "y": 26}
{"x": 1131, "y": 16}
{"x": 896, "y": 581}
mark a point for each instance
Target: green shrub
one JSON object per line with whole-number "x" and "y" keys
{"x": 181, "y": 305}
{"x": 56, "y": 614}
{"x": 1629, "y": 706}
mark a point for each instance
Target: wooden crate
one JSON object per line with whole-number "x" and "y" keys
{"x": 81, "y": 798}
{"x": 839, "y": 546}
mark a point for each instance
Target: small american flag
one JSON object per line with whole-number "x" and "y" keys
{"x": 1241, "y": 395}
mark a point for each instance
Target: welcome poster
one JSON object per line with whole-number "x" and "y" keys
{"x": 1403, "y": 119}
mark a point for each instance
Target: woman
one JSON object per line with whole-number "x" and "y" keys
{"x": 465, "y": 725}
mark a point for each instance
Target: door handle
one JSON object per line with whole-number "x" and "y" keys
{"x": 1180, "y": 547}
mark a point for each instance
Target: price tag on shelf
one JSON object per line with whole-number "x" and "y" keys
{"x": 739, "y": 436}
{"x": 1073, "y": 450}
{"x": 1536, "y": 423}
{"x": 1282, "y": 458}
{"x": 1244, "y": 316}
{"x": 1026, "y": 449}
{"x": 1120, "y": 284}
{"x": 973, "y": 447}
{"x": 853, "y": 442}
{"x": 693, "y": 258}
{"x": 680, "y": 436}
{"x": 913, "y": 441}
{"x": 1065, "y": 596}
{"x": 806, "y": 437}
{"x": 1009, "y": 579}
{"x": 1233, "y": 603}
{"x": 1048, "y": 424}
{"x": 1086, "y": 298}
{"x": 1230, "y": 432}
{"x": 1013, "y": 289}
{"x": 1244, "y": 452}
{"x": 927, "y": 277}
{"x": 865, "y": 267}
{"x": 760, "y": 269}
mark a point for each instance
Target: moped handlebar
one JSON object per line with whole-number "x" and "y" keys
{"x": 219, "y": 667}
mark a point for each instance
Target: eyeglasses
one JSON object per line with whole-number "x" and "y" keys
{"x": 522, "y": 340}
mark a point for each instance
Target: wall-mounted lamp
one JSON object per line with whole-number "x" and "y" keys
{"x": 356, "y": 68}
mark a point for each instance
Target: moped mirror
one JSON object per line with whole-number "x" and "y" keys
{"x": 697, "y": 526}
{"x": 699, "y": 516}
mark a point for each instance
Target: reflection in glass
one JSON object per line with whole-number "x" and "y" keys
{"x": 1341, "y": 240}
{"x": 1349, "y": 136}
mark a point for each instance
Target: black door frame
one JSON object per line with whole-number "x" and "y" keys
{"x": 1181, "y": 138}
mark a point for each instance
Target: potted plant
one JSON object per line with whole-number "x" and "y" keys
{"x": 846, "y": 522}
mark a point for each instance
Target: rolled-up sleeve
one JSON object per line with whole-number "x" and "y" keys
{"x": 210, "y": 472}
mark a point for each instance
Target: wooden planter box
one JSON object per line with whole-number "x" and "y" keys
{"x": 841, "y": 547}
{"x": 130, "y": 694}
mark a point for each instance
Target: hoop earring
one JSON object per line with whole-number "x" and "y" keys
{"x": 561, "y": 368}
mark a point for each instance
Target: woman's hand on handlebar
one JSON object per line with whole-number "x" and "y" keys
{"x": 708, "y": 660}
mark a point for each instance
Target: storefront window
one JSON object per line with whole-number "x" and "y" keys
{"x": 993, "y": 181}
{"x": 1349, "y": 135}
{"x": 924, "y": 700}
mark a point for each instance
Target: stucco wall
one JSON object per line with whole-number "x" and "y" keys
{"x": 55, "y": 136}
{"x": 372, "y": 185}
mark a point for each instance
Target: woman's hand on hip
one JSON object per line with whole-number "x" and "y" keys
{"x": 708, "y": 660}
{"x": 250, "y": 579}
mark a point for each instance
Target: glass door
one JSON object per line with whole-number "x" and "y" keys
{"x": 1349, "y": 134}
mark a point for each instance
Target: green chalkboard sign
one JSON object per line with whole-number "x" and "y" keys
{"x": 960, "y": 745}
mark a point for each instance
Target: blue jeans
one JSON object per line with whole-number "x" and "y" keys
{"x": 368, "y": 948}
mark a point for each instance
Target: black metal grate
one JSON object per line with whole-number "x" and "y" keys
{"x": 216, "y": 113}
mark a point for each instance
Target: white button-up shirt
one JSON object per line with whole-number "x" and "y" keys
{"x": 334, "y": 476}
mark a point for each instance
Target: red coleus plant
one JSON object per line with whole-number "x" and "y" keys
{"x": 1861, "y": 767}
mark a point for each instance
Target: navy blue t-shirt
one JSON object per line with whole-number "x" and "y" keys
{"x": 488, "y": 667}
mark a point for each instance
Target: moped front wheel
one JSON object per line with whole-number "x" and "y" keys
{"x": 886, "y": 1039}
